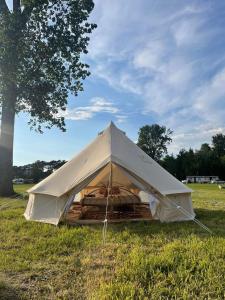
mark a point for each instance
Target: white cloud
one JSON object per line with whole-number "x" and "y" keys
{"x": 187, "y": 32}
{"x": 162, "y": 52}
{"x": 210, "y": 99}
{"x": 121, "y": 80}
{"x": 121, "y": 118}
{"x": 77, "y": 114}
{"x": 151, "y": 56}
{"x": 130, "y": 83}
{"x": 151, "y": 64}
{"x": 193, "y": 138}
{"x": 97, "y": 105}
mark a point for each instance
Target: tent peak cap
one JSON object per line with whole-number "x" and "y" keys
{"x": 111, "y": 123}
{"x": 112, "y": 127}
{"x": 109, "y": 127}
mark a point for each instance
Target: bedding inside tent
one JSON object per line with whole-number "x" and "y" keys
{"x": 110, "y": 190}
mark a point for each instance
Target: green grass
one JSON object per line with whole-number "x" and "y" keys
{"x": 139, "y": 261}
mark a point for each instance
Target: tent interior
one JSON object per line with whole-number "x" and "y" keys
{"x": 114, "y": 190}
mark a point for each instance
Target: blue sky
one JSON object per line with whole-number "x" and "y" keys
{"x": 151, "y": 62}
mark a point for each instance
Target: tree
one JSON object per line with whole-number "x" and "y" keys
{"x": 205, "y": 148}
{"x": 41, "y": 42}
{"x": 37, "y": 171}
{"x": 205, "y": 161}
{"x": 169, "y": 163}
{"x": 222, "y": 167}
{"x": 186, "y": 163}
{"x": 153, "y": 140}
{"x": 218, "y": 142}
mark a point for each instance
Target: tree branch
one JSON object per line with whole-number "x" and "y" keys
{"x": 16, "y": 5}
{"x": 28, "y": 8}
{"x": 3, "y": 6}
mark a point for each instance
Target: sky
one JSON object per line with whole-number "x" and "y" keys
{"x": 151, "y": 62}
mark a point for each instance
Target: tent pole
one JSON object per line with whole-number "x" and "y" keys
{"x": 105, "y": 222}
{"x": 110, "y": 178}
{"x": 111, "y": 182}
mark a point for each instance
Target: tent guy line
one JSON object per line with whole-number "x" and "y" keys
{"x": 186, "y": 213}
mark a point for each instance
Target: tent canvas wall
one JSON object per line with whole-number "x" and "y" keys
{"x": 49, "y": 199}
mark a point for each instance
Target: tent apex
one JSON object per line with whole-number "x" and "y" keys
{"x": 111, "y": 124}
{"x": 109, "y": 128}
{"x": 112, "y": 128}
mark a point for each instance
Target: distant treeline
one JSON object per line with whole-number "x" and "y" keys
{"x": 208, "y": 160}
{"x": 38, "y": 170}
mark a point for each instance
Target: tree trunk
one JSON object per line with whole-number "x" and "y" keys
{"x": 9, "y": 96}
{"x": 6, "y": 143}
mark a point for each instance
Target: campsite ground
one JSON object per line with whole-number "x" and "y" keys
{"x": 139, "y": 261}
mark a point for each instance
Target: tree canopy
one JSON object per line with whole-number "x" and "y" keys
{"x": 218, "y": 142}
{"x": 153, "y": 140}
{"x": 41, "y": 46}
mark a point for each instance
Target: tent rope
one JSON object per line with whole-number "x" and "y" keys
{"x": 13, "y": 199}
{"x": 183, "y": 211}
{"x": 105, "y": 222}
{"x": 6, "y": 205}
{"x": 189, "y": 215}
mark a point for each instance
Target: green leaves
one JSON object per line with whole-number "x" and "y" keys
{"x": 153, "y": 140}
{"x": 218, "y": 142}
{"x": 40, "y": 49}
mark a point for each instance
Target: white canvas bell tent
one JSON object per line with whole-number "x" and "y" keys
{"x": 111, "y": 152}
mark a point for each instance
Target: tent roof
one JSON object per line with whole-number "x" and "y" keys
{"x": 111, "y": 145}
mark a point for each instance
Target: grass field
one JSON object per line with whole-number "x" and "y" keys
{"x": 139, "y": 261}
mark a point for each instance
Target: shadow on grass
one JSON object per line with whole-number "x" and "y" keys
{"x": 210, "y": 214}
{"x": 7, "y": 292}
{"x": 213, "y": 219}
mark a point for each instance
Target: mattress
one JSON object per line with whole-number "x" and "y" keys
{"x": 115, "y": 200}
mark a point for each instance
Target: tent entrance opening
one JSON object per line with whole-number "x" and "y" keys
{"x": 117, "y": 190}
